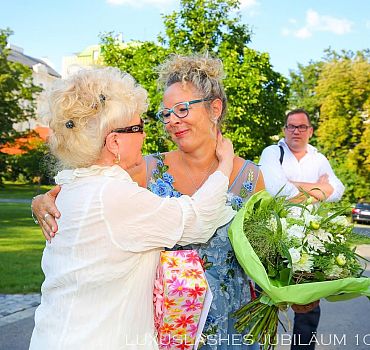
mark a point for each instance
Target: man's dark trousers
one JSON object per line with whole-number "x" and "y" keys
{"x": 304, "y": 326}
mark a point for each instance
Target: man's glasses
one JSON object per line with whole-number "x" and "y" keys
{"x": 301, "y": 128}
{"x": 180, "y": 110}
{"x": 131, "y": 129}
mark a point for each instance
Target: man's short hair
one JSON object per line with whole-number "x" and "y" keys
{"x": 296, "y": 111}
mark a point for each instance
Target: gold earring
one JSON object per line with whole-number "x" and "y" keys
{"x": 117, "y": 159}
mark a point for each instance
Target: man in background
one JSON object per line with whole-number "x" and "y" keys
{"x": 295, "y": 168}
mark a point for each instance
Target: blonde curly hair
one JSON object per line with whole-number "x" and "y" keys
{"x": 83, "y": 109}
{"x": 205, "y": 73}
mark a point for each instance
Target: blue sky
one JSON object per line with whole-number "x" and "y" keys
{"x": 291, "y": 31}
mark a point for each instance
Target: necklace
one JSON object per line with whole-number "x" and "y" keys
{"x": 207, "y": 173}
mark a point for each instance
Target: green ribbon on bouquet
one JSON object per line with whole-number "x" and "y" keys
{"x": 304, "y": 293}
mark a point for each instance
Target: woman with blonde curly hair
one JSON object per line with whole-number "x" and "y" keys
{"x": 100, "y": 268}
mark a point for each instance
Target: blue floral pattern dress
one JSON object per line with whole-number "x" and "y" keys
{"x": 227, "y": 280}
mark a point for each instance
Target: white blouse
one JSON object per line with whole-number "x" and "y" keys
{"x": 100, "y": 267}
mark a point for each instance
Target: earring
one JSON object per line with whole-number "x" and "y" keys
{"x": 117, "y": 159}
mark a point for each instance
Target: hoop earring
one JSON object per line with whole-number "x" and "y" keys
{"x": 117, "y": 159}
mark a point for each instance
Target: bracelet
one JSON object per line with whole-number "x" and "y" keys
{"x": 33, "y": 214}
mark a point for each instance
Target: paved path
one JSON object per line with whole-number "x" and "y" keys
{"x": 14, "y": 307}
{"x": 16, "y": 320}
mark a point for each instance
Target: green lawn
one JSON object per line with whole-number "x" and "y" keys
{"x": 21, "y": 242}
{"x": 21, "y": 191}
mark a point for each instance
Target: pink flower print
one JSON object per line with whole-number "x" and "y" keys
{"x": 173, "y": 262}
{"x": 166, "y": 341}
{"x": 171, "y": 280}
{"x": 183, "y": 321}
{"x": 191, "y": 305}
{"x": 184, "y": 346}
{"x": 164, "y": 258}
{"x": 192, "y": 257}
{"x": 181, "y": 253}
{"x": 196, "y": 291}
{"x": 178, "y": 287}
{"x": 195, "y": 273}
{"x": 167, "y": 328}
{"x": 168, "y": 303}
{"x": 192, "y": 273}
{"x": 193, "y": 328}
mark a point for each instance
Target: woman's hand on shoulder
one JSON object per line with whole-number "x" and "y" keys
{"x": 44, "y": 209}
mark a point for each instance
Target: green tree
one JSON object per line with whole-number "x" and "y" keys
{"x": 205, "y": 25}
{"x": 257, "y": 94}
{"x": 303, "y": 83}
{"x": 17, "y": 93}
{"x": 343, "y": 92}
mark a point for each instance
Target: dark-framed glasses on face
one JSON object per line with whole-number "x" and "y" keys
{"x": 301, "y": 128}
{"x": 131, "y": 129}
{"x": 180, "y": 110}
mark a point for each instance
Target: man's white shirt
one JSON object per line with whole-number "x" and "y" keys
{"x": 308, "y": 169}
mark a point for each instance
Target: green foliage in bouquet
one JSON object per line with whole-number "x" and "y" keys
{"x": 297, "y": 253}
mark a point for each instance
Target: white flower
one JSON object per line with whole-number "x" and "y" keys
{"x": 305, "y": 263}
{"x": 340, "y": 238}
{"x": 294, "y": 212}
{"x": 314, "y": 243}
{"x": 272, "y": 224}
{"x": 324, "y": 236}
{"x": 340, "y": 220}
{"x": 295, "y": 255}
{"x": 335, "y": 271}
{"x": 311, "y": 219}
{"x": 296, "y": 231}
{"x": 284, "y": 224}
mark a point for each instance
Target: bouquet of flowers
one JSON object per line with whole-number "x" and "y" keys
{"x": 297, "y": 254}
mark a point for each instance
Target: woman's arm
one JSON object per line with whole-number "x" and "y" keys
{"x": 138, "y": 220}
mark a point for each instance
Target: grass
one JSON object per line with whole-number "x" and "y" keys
{"x": 358, "y": 239}
{"x": 21, "y": 242}
{"x": 21, "y": 191}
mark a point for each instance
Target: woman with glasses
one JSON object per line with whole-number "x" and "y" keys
{"x": 193, "y": 109}
{"x": 194, "y": 106}
{"x": 100, "y": 268}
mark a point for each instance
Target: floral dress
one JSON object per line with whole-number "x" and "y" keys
{"x": 229, "y": 284}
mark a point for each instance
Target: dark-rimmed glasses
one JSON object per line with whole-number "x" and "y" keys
{"x": 180, "y": 110}
{"x": 301, "y": 128}
{"x": 133, "y": 129}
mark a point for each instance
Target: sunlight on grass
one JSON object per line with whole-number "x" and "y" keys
{"x": 22, "y": 191}
{"x": 21, "y": 246}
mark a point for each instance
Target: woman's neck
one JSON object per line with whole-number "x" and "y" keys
{"x": 200, "y": 159}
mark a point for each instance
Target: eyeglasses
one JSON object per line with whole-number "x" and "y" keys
{"x": 180, "y": 110}
{"x": 301, "y": 128}
{"x": 131, "y": 129}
